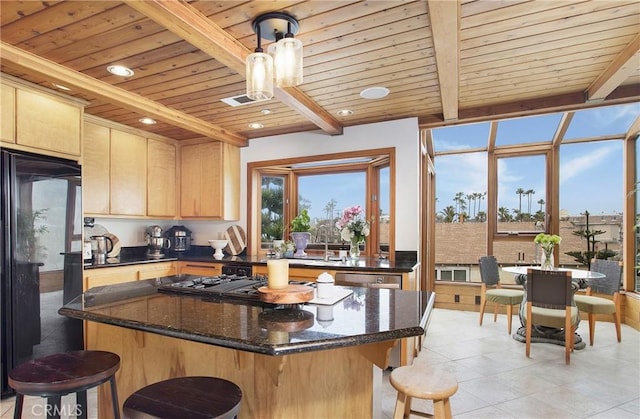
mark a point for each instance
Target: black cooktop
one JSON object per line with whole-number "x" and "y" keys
{"x": 227, "y": 287}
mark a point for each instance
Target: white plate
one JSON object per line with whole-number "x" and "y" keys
{"x": 338, "y": 294}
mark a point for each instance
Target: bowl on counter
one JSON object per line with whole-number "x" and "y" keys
{"x": 218, "y": 245}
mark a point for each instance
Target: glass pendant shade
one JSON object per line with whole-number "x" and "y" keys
{"x": 259, "y": 76}
{"x": 287, "y": 54}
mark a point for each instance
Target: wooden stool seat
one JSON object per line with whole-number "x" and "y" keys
{"x": 423, "y": 383}
{"x": 185, "y": 397}
{"x": 56, "y": 375}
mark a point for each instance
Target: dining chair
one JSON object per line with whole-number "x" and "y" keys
{"x": 492, "y": 291}
{"x": 609, "y": 285}
{"x": 549, "y": 303}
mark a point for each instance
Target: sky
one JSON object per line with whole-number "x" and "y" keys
{"x": 584, "y": 168}
{"x": 590, "y": 173}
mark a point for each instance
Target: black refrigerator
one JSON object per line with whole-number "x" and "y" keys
{"x": 41, "y": 257}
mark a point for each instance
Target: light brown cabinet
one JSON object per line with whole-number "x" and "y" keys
{"x": 95, "y": 169}
{"x": 119, "y": 274}
{"x": 128, "y": 176}
{"x": 37, "y": 121}
{"x": 125, "y": 173}
{"x": 161, "y": 179}
{"x": 8, "y": 115}
{"x": 210, "y": 181}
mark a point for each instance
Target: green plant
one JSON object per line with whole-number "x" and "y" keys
{"x": 301, "y": 223}
{"x": 591, "y": 253}
{"x": 547, "y": 240}
{"x": 29, "y": 232}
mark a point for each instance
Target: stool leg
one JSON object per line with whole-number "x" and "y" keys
{"x": 442, "y": 409}
{"x": 53, "y": 407}
{"x": 114, "y": 397}
{"x": 81, "y": 403}
{"x": 17, "y": 410}
{"x": 403, "y": 406}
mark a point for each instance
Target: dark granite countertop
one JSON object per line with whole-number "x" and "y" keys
{"x": 368, "y": 315}
{"x": 204, "y": 254}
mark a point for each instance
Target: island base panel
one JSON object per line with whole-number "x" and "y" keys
{"x": 324, "y": 383}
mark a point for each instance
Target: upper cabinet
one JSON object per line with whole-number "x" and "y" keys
{"x": 127, "y": 174}
{"x": 128, "y": 177}
{"x": 161, "y": 179}
{"x": 38, "y": 121}
{"x": 210, "y": 181}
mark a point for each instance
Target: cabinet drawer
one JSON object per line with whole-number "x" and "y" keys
{"x": 196, "y": 268}
{"x": 157, "y": 270}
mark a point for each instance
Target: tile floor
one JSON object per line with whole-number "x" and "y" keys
{"x": 496, "y": 380}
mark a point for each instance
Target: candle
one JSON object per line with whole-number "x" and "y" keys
{"x": 277, "y": 273}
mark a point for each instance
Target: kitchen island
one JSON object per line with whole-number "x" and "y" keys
{"x": 302, "y": 360}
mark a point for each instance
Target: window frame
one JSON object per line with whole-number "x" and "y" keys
{"x": 383, "y": 157}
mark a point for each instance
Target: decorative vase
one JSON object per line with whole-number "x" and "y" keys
{"x": 301, "y": 239}
{"x": 547, "y": 259}
{"x": 354, "y": 249}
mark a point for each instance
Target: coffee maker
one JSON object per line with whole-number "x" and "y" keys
{"x": 156, "y": 242}
{"x": 179, "y": 238}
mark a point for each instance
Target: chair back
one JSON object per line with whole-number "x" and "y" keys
{"x": 489, "y": 273}
{"x": 611, "y": 282}
{"x": 549, "y": 289}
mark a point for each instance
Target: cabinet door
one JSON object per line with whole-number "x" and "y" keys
{"x": 95, "y": 169}
{"x": 109, "y": 276}
{"x": 193, "y": 178}
{"x": 128, "y": 186}
{"x": 161, "y": 182}
{"x": 8, "y": 115}
{"x": 47, "y": 123}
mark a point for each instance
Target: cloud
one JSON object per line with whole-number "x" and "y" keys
{"x": 585, "y": 162}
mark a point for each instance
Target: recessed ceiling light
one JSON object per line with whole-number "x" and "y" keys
{"x": 374, "y": 92}
{"x": 256, "y": 125}
{"x": 120, "y": 70}
{"x": 59, "y": 86}
{"x": 345, "y": 112}
{"x": 265, "y": 111}
{"x": 147, "y": 121}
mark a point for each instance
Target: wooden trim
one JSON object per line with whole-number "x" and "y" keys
{"x": 624, "y": 66}
{"x": 629, "y": 210}
{"x": 444, "y": 18}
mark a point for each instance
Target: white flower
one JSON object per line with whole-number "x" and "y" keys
{"x": 352, "y": 225}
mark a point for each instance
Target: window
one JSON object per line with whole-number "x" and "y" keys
{"x": 455, "y": 274}
{"x": 324, "y": 186}
{"x": 521, "y": 194}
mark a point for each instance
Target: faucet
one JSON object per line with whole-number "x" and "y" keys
{"x": 326, "y": 240}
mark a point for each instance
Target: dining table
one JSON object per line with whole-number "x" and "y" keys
{"x": 544, "y": 334}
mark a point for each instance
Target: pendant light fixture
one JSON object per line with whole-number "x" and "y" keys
{"x": 285, "y": 55}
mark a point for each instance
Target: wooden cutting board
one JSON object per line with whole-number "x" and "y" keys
{"x": 237, "y": 240}
{"x": 293, "y": 294}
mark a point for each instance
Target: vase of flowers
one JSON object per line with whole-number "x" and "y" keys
{"x": 547, "y": 242}
{"x": 354, "y": 228}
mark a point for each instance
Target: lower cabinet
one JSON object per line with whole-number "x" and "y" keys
{"x": 118, "y": 274}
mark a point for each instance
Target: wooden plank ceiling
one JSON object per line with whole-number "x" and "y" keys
{"x": 444, "y": 62}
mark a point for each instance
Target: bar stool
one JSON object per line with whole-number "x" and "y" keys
{"x": 420, "y": 382}
{"x": 185, "y": 397}
{"x": 57, "y": 375}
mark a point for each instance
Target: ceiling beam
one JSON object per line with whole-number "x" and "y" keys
{"x": 26, "y": 61}
{"x": 625, "y": 65}
{"x": 194, "y": 27}
{"x": 444, "y": 19}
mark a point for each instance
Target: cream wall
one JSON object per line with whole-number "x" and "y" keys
{"x": 401, "y": 134}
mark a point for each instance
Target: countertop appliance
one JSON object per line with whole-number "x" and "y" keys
{"x": 41, "y": 233}
{"x": 156, "y": 242}
{"x": 179, "y": 238}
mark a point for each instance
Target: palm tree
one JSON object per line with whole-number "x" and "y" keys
{"x": 469, "y": 198}
{"x": 459, "y": 201}
{"x": 529, "y": 193}
{"x": 503, "y": 215}
{"x": 448, "y": 214}
{"x": 541, "y": 202}
{"x": 520, "y": 192}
